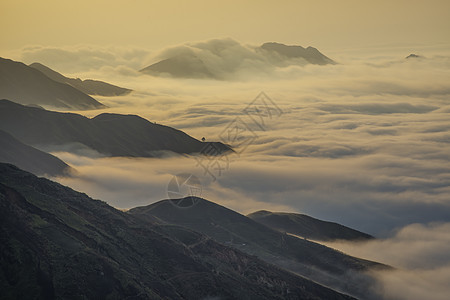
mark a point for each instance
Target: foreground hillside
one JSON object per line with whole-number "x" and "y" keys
{"x": 60, "y": 244}
{"x": 322, "y": 264}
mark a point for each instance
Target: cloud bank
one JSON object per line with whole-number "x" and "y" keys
{"x": 362, "y": 143}
{"x": 421, "y": 255}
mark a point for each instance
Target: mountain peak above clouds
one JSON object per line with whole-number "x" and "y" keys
{"x": 413, "y": 56}
{"x": 182, "y": 66}
{"x": 225, "y": 59}
{"x": 27, "y": 85}
{"x": 88, "y": 86}
{"x": 310, "y": 54}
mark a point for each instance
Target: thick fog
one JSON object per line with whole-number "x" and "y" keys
{"x": 364, "y": 143}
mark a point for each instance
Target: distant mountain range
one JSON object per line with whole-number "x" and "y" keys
{"x": 109, "y": 134}
{"x": 57, "y": 243}
{"x": 324, "y": 265}
{"x": 88, "y": 86}
{"x": 27, "y": 85}
{"x": 30, "y": 159}
{"x": 307, "y": 227}
{"x": 190, "y": 64}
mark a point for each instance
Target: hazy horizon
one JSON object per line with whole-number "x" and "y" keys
{"x": 327, "y": 25}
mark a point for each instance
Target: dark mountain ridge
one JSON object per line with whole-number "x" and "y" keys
{"x": 27, "y": 85}
{"x": 307, "y": 227}
{"x": 87, "y": 86}
{"x": 109, "y": 134}
{"x": 57, "y": 243}
{"x": 30, "y": 159}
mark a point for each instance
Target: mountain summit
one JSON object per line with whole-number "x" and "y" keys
{"x": 88, "y": 86}
{"x": 27, "y": 85}
{"x": 310, "y": 55}
{"x": 226, "y": 59}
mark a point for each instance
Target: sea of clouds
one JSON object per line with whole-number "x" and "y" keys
{"x": 364, "y": 143}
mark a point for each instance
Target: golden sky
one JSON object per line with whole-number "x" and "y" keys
{"x": 154, "y": 24}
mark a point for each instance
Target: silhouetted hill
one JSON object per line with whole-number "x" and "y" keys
{"x": 413, "y": 56}
{"x": 110, "y": 134}
{"x": 88, "y": 86}
{"x": 27, "y": 85}
{"x": 28, "y": 158}
{"x": 223, "y": 59}
{"x": 183, "y": 66}
{"x": 322, "y": 264}
{"x": 57, "y": 243}
{"x": 310, "y": 55}
{"x": 306, "y": 226}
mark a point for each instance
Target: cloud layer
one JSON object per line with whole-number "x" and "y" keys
{"x": 421, "y": 255}
{"x": 360, "y": 143}
{"x": 363, "y": 143}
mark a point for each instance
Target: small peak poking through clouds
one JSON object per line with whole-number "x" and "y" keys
{"x": 412, "y": 55}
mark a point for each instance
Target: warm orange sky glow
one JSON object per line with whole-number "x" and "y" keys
{"x": 155, "y": 24}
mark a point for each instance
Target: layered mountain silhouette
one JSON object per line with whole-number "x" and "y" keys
{"x": 109, "y": 134}
{"x": 57, "y": 243}
{"x": 28, "y": 158}
{"x": 222, "y": 59}
{"x": 307, "y": 227}
{"x": 88, "y": 86}
{"x": 322, "y": 264}
{"x": 27, "y": 85}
